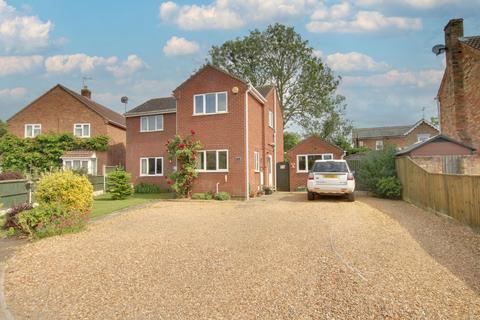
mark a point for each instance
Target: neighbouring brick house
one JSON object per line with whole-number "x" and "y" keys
{"x": 62, "y": 110}
{"x": 398, "y": 136}
{"x": 459, "y": 92}
{"x": 303, "y": 156}
{"x": 239, "y": 126}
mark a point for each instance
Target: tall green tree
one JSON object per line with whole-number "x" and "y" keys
{"x": 290, "y": 140}
{"x": 307, "y": 87}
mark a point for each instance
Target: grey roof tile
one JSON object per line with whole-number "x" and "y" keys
{"x": 153, "y": 105}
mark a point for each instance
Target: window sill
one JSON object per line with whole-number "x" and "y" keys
{"x": 302, "y": 171}
{"x": 151, "y": 175}
{"x": 151, "y": 131}
{"x": 212, "y": 171}
{"x": 208, "y": 114}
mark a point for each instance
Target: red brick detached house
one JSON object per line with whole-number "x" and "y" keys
{"x": 61, "y": 110}
{"x": 239, "y": 126}
{"x": 459, "y": 93}
{"x": 303, "y": 156}
{"x": 399, "y": 136}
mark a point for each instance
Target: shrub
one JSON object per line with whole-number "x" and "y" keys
{"x": 222, "y": 196}
{"x": 389, "y": 187}
{"x": 66, "y": 188}
{"x": 147, "y": 188}
{"x": 375, "y": 166}
{"x": 50, "y": 219}
{"x": 11, "y": 176}
{"x": 202, "y": 196}
{"x": 118, "y": 184}
{"x": 12, "y": 215}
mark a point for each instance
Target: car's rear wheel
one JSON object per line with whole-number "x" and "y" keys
{"x": 310, "y": 196}
{"x": 351, "y": 197}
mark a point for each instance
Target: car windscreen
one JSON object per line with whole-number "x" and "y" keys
{"x": 330, "y": 166}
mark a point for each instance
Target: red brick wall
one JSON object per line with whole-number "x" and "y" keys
{"x": 256, "y": 129}
{"x": 218, "y": 131}
{"x": 472, "y": 94}
{"x": 58, "y": 111}
{"x": 149, "y": 144}
{"x": 312, "y": 145}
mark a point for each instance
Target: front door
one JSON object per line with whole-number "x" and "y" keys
{"x": 270, "y": 170}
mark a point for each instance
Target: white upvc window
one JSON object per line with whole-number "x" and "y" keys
{"x": 379, "y": 145}
{"x": 151, "y": 166}
{"x": 151, "y": 123}
{"x": 305, "y": 162}
{"x": 81, "y": 130}
{"x": 212, "y": 161}
{"x": 87, "y": 165}
{"x": 32, "y": 130}
{"x": 270, "y": 119}
{"x": 256, "y": 161}
{"x": 360, "y": 144}
{"x": 210, "y": 103}
{"x": 423, "y": 137}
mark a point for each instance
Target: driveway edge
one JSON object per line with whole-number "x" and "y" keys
{"x": 3, "y": 304}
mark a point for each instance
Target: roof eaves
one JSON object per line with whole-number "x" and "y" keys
{"x": 419, "y": 123}
{"x": 149, "y": 113}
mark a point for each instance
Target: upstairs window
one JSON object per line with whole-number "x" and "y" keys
{"x": 81, "y": 130}
{"x": 210, "y": 103}
{"x": 270, "y": 119}
{"x": 423, "y": 137}
{"x": 212, "y": 160}
{"x": 151, "y": 123}
{"x": 379, "y": 145}
{"x": 32, "y": 130}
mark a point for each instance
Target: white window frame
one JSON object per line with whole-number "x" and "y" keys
{"x": 426, "y": 136}
{"x": 91, "y": 170}
{"x": 360, "y": 143}
{"x": 204, "y": 96}
{"x": 156, "y": 123}
{"x": 34, "y": 126}
{"x": 256, "y": 161}
{"x": 306, "y": 160}
{"x": 82, "y": 125}
{"x": 156, "y": 160}
{"x": 204, "y": 169}
{"x": 270, "y": 119}
{"x": 379, "y": 145}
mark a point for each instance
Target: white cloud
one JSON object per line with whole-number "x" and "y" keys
{"x": 20, "y": 32}
{"x": 10, "y": 65}
{"x": 180, "y": 46}
{"x": 363, "y": 21}
{"x": 394, "y": 77}
{"x": 228, "y": 14}
{"x": 83, "y": 63}
{"x": 15, "y": 93}
{"x": 127, "y": 67}
{"x": 353, "y": 61}
{"x": 336, "y": 11}
{"x": 419, "y": 4}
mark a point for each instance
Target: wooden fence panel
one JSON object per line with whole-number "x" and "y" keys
{"x": 455, "y": 195}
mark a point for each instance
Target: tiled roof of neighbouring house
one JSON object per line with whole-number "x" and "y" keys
{"x": 473, "y": 42}
{"x": 110, "y": 115}
{"x": 394, "y": 131}
{"x": 167, "y": 104}
{"x": 264, "y": 90}
{"x": 78, "y": 154}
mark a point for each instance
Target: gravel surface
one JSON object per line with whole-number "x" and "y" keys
{"x": 275, "y": 257}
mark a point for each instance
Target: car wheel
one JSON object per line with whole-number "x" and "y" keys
{"x": 310, "y": 196}
{"x": 351, "y": 197}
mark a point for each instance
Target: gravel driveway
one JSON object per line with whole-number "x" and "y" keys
{"x": 275, "y": 257}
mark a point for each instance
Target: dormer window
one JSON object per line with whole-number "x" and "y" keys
{"x": 210, "y": 103}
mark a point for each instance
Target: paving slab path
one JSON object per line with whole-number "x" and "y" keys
{"x": 275, "y": 257}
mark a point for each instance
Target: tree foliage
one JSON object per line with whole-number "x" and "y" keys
{"x": 184, "y": 150}
{"x": 3, "y": 128}
{"x": 290, "y": 140}
{"x": 44, "y": 151}
{"x": 345, "y": 145}
{"x": 118, "y": 184}
{"x": 306, "y": 86}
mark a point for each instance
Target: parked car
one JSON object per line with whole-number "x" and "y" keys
{"x": 331, "y": 177}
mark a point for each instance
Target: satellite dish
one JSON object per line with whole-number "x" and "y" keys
{"x": 124, "y": 99}
{"x": 439, "y": 49}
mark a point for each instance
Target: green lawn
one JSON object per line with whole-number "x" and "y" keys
{"x": 103, "y": 205}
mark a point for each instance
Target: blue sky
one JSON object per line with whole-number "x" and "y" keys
{"x": 143, "y": 49}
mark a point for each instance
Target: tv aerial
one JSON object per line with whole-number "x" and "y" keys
{"x": 124, "y": 100}
{"x": 85, "y": 79}
{"x": 439, "y": 49}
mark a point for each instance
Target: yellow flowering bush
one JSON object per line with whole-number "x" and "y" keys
{"x": 74, "y": 192}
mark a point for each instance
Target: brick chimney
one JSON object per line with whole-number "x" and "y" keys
{"x": 86, "y": 92}
{"x": 454, "y": 31}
